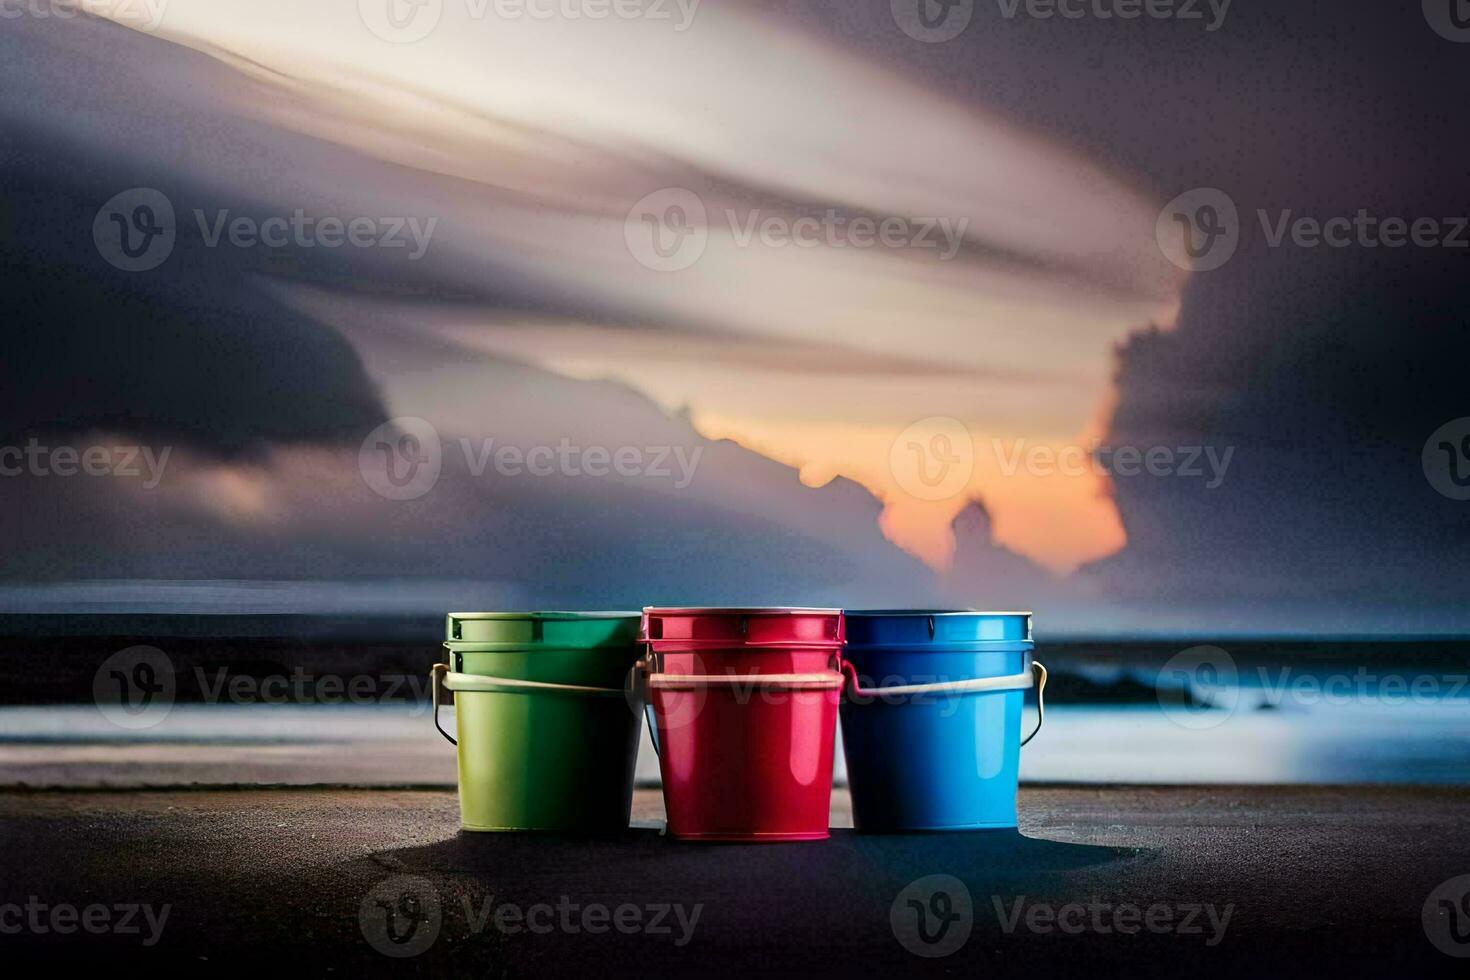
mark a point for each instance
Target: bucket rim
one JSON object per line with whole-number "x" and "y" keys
{"x": 742, "y": 610}
{"x": 550, "y": 616}
{"x": 938, "y": 631}
{"x": 540, "y": 629}
{"x": 532, "y": 646}
{"x": 914, "y": 613}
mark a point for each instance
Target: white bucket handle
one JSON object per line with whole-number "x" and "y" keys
{"x": 1036, "y": 676}
{"x": 444, "y": 677}
{"x": 817, "y": 681}
{"x": 648, "y": 674}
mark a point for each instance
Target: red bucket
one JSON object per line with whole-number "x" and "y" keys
{"x": 745, "y": 710}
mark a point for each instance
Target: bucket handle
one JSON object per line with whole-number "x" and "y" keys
{"x": 649, "y": 676}
{"x": 817, "y": 681}
{"x": 436, "y": 679}
{"x": 637, "y": 680}
{"x": 444, "y": 677}
{"x": 1039, "y": 669}
{"x": 1035, "y": 676}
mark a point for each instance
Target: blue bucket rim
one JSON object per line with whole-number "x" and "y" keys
{"x": 896, "y": 613}
{"x": 900, "y": 630}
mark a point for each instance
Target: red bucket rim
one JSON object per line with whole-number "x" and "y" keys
{"x": 742, "y": 610}
{"x": 711, "y": 627}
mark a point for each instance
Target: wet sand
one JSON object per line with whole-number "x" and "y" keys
{"x": 1142, "y": 881}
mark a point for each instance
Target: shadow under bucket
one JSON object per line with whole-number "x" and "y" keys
{"x": 931, "y": 721}
{"x": 547, "y": 738}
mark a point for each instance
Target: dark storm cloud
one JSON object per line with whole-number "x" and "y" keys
{"x": 198, "y": 356}
{"x": 1325, "y": 368}
{"x": 1360, "y": 100}
{"x": 191, "y": 352}
{"x": 1327, "y": 398}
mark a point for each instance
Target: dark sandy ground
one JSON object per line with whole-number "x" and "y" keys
{"x": 1315, "y": 881}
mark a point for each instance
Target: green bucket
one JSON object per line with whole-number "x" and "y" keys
{"x": 547, "y": 739}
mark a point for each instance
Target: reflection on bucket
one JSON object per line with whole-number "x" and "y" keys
{"x": 745, "y": 710}
{"x": 546, "y": 739}
{"x": 931, "y": 724}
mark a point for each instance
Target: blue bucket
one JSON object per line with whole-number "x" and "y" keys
{"x": 931, "y": 720}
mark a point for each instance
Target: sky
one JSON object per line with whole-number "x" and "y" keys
{"x": 908, "y": 294}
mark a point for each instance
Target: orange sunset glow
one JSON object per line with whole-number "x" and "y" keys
{"x": 1059, "y": 519}
{"x": 1009, "y": 319}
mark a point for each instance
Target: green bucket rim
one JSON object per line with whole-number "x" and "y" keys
{"x": 506, "y": 631}
{"x": 490, "y": 646}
